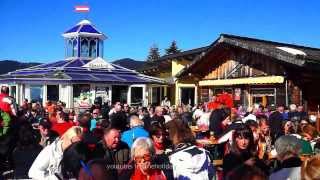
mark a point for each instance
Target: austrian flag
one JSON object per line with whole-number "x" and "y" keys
{"x": 82, "y": 8}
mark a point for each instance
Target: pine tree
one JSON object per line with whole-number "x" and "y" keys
{"x": 154, "y": 53}
{"x": 173, "y": 48}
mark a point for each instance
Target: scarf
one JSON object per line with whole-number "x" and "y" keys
{"x": 158, "y": 146}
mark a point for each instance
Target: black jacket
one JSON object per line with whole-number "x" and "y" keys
{"x": 147, "y": 122}
{"x": 158, "y": 119}
{"x": 119, "y": 121}
{"x": 118, "y": 156}
{"x": 288, "y": 163}
{"x": 23, "y": 159}
{"x": 232, "y": 161}
{"x": 275, "y": 121}
{"x": 216, "y": 117}
{"x": 163, "y": 163}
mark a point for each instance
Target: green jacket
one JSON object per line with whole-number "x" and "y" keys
{"x": 4, "y": 123}
{"x": 306, "y": 148}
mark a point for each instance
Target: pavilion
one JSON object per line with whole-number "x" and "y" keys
{"x": 82, "y": 76}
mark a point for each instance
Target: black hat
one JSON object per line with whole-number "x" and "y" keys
{"x": 45, "y": 123}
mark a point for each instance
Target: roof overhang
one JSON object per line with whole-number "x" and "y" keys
{"x": 240, "y": 81}
{"x": 281, "y": 56}
{"x": 231, "y": 40}
{"x": 84, "y": 34}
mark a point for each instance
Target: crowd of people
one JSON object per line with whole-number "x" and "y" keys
{"x": 156, "y": 142}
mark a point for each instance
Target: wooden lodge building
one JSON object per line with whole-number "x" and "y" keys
{"x": 166, "y": 67}
{"x": 253, "y": 71}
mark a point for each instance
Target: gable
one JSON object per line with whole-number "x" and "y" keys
{"x": 244, "y": 65}
{"x": 98, "y": 63}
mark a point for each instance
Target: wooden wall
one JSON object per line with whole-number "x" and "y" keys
{"x": 244, "y": 64}
{"x": 204, "y": 94}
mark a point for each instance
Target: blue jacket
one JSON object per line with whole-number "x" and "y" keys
{"x": 93, "y": 124}
{"x": 130, "y": 135}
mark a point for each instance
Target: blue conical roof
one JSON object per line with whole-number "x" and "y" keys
{"x": 84, "y": 28}
{"x": 78, "y": 71}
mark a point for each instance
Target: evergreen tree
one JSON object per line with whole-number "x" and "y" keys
{"x": 173, "y": 48}
{"x": 154, "y": 53}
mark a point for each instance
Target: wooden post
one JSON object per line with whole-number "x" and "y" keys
{"x": 318, "y": 120}
{"x": 286, "y": 83}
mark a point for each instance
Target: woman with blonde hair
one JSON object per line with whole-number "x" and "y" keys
{"x": 47, "y": 163}
{"x": 310, "y": 168}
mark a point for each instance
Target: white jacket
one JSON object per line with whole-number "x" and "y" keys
{"x": 191, "y": 163}
{"x": 47, "y": 163}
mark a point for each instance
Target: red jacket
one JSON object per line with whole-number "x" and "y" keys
{"x": 213, "y": 105}
{"x": 154, "y": 174}
{"x": 4, "y": 106}
{"x": 61, "y": 128}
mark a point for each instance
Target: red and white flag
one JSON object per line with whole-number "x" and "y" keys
{"x": 82, "y": 8}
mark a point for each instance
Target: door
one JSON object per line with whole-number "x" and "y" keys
{"x": 119, "y": 94}
{"x": 53, "y": 92}
{"x": 136, "y": 96}
{"x": 187, "y": 96}
{"x": 156, "y": 96}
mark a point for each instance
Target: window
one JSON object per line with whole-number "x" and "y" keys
{"x": 78, "y": 89}
{"x": 264, "y": 96}
{"x": 75, "y": 48}
{"x": 69, "y": 48}
{"x": 84, "y": 48}
{"x": 13, "y": 91}
{"x": 103, "y": 92}
{"x": 36, "y": 93}
{"x": 136, "y": 95}
{"x": 82, "y": 96}
{"x": 93, "y": 49}
{"x": 100, "y": 48}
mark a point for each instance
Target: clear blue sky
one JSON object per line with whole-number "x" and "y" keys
{"x": 31, "y": 29}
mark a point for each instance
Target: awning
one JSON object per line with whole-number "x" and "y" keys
{"x": 238, "y": 81}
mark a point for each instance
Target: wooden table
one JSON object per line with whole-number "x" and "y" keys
{"x": 206, "y": 142}
{"x": 197, "y": 129}
{"x": 217, "y": 162}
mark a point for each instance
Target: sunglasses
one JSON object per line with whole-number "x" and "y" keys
{"x": 146, "y": 157}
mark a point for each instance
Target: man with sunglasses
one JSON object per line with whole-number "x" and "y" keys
{"x": 95, "y": 118}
